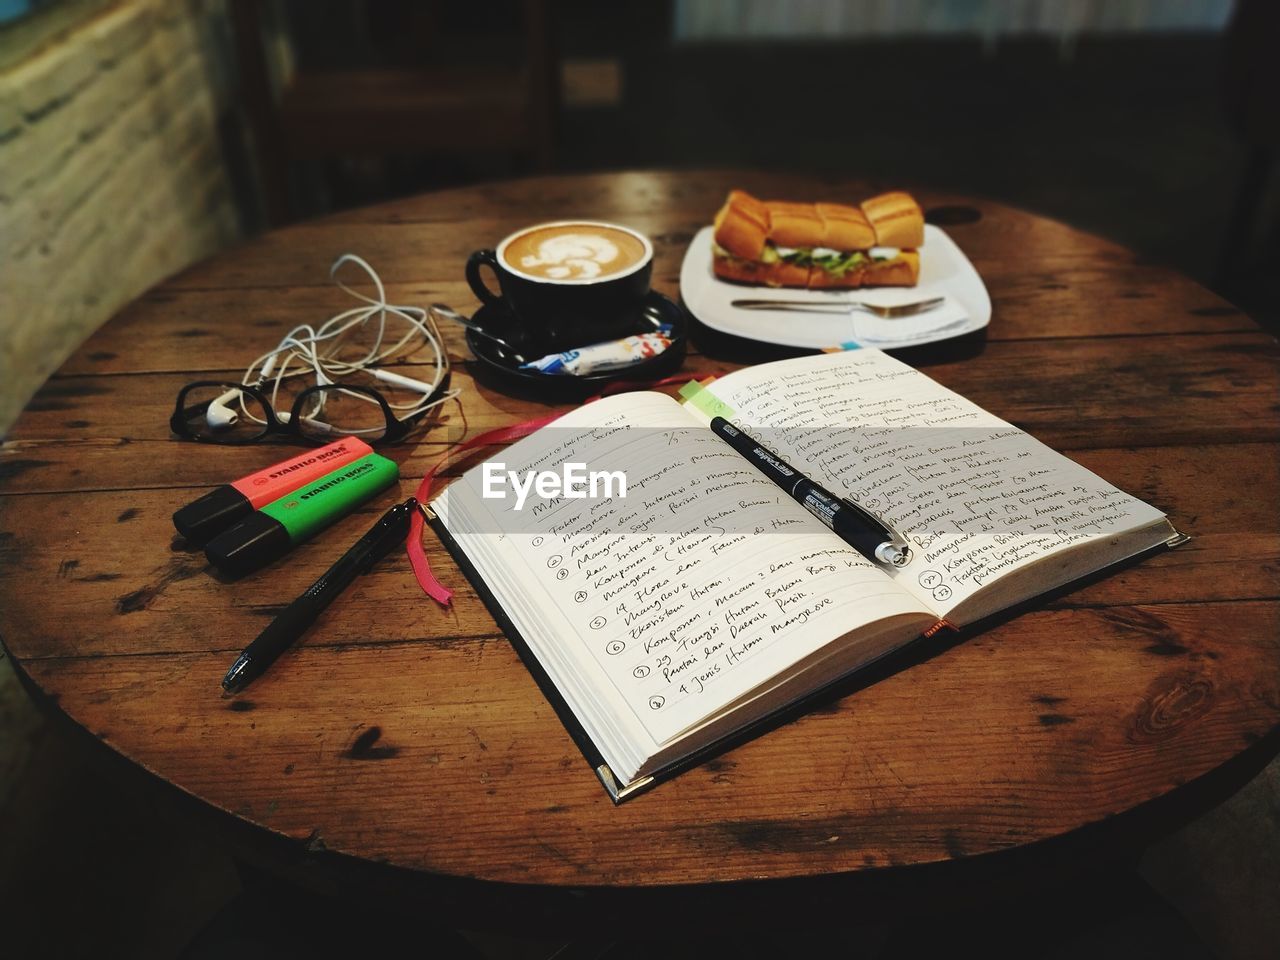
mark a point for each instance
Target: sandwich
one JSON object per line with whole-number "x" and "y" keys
{"x": 819, "y": 245}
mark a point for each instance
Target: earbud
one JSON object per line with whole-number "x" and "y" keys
{"x": 219, "y": 416}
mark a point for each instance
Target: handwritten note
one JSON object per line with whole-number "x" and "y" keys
{"x": 977, "y": 497}
{"x": 703, "y": 582}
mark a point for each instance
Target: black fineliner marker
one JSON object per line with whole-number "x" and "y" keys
{"x": 854, "y": 525}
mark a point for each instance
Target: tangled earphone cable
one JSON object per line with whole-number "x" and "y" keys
{"x": 315, "y": 351}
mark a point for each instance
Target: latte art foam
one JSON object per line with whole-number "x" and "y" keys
{"x": 570, "y": 252}
{"x": 572, "y": 256}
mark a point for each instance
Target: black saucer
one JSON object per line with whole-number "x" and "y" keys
{"x": 496, "y": 365}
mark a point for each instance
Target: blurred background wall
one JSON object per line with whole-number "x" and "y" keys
{"x": 137, "y": 136}
{"x": 112, "y": 174}
{"x": 988, "y": 19}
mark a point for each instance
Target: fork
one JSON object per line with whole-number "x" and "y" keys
{"x": 807, "y": 306}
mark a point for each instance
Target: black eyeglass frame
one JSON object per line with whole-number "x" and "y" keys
{"x": 396, "y": 429}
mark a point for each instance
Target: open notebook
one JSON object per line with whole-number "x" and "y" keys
{"x": 666, "y": 621}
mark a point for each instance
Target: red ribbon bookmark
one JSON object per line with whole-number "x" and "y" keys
{"x": 433, "y": 588}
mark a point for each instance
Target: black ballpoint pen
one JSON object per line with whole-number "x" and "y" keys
{"x": 388, "y": 533}
{"x": 854, "y": 525}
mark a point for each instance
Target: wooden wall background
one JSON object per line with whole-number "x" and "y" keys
{"x": 112, "y": 173}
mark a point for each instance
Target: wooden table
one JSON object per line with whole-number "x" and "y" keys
{"x": 407, "y": 743}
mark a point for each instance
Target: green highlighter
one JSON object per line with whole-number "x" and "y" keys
{"x": 272, "y": 531}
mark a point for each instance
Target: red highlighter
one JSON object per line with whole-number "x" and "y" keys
{"x": 203, "y": 519}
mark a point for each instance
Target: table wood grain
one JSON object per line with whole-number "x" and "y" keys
{"x": 406, "y": 735}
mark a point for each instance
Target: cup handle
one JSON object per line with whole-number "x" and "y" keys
{"x": 474, "y": 263}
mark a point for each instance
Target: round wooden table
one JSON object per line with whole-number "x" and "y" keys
{"x": 407, "y": 743}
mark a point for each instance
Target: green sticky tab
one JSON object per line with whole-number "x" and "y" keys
{"x": 696, "y": 395}
{"x": 690, "y": 389}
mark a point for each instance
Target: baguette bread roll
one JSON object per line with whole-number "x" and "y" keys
{"x": 778, "y": 274}
{"x": 844, "y": 228}
{"x": 820, "y": 279}
{"x": 896, "y": 219}
{"x": 904, "y": 271}
{"x": 742, "y": 225}
{"x": 748, "y": 230}
{"x": 794, "y": 224}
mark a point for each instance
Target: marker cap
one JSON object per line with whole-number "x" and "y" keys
{"x": 203, "y": 519}
{"x": 252, "y": 543}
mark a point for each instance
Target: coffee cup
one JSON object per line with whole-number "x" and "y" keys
{"x": 568, "y": 283}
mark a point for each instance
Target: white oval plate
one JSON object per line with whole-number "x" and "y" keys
{"x": 944, "y": 271}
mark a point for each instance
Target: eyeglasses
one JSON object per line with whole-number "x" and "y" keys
{"x": 222, "y": 411}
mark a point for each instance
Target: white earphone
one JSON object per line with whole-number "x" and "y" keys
{"x": 316, "y": 351}
{"x": 219, "y": 416}
{"x": 399, "y": 380}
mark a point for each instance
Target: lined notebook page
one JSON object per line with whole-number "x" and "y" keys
{"x": 977, "y": 497}
{"x": 656, "y": 610}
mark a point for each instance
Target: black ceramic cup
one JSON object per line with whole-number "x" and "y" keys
{"x": 562, "y": 313}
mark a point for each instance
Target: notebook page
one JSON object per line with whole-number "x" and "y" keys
{"x": 977, "y": 497}
{"x": 654, "y": 610}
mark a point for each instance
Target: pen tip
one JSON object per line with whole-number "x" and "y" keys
{"x": 235, "y": 677}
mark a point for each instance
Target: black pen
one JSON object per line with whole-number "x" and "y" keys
{"x": 854, "y": 525}
{"x": 387, "y": 534}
